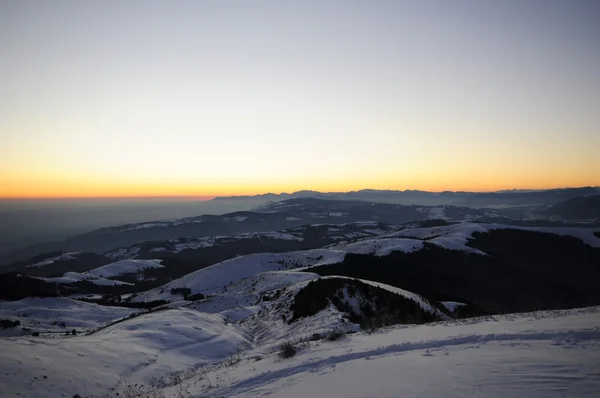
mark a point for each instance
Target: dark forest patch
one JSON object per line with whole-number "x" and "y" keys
{"x": 524, "y": 271}
{"x": 377, "y": 306}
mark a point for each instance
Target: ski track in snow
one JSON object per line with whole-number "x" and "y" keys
{"x": 317, "y": 366}
{"x": 511, "y": 350}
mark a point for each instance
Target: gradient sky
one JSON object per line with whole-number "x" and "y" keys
{"x": 120, "y": 98}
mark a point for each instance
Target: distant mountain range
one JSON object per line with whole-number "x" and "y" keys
{"x": 408, "y": 197}
{"x": 272, "y": 212}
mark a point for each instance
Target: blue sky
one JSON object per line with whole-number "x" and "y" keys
{"x": 201, "y": 97}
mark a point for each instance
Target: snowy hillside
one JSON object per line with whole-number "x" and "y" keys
{"x": 124, "y": 267}
{"x": 544, "y": 354}
{"x": 73, "y": 277}
{"x": 100, "y": 275}
{"x": 307, "y": 236}
{"x": 380, "y": 247}
{"x": 552, "y": 354}
{"x": 455, "y": 236}
{"x": 59, "y": 314}
{"x": 52, "y": 260}
{"x": 213, "y": 278}
{"x": 451, "y": 237}
{"x": 147, "y": 347}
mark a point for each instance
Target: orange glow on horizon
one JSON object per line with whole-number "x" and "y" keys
{"x": 192, "y": 192}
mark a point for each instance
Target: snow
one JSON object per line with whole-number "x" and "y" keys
{"x": 279, "y": 235}
{"x": 438, "y": 213}
{"x": 99, "y": 275}
{"x": 380, "y": 247}
{"x": 62, "y": 257}
{"x": 186, "y": 221}
{"x": 235, "y": 334}
{"x": 177, "y": 245}
{"x": 351, "y": 235}
{"x": 269, "y": 281}
{"x": 292, "y": 219}
{"x": 539, "y": 354}
{"x": 143, "y": 348}
{"x": 240, "y": 298}
{"x": 123, "y": 253}
{"x": 548, "y": 354}
{"x": 240, "y": 218}
{"x": 73, "y": 277}
{"x": 183, "y": 243}
{"x": 220, "y": 275}
{"x": 452, "y": 305}
{"x": 124, "y": 267}
{"x": 452, "y": 237}
{"x": 455, "y": 236}
{"x": 352, "y": 301}
{"x": 146, "y": 226}
{"x": 45, "y": 314}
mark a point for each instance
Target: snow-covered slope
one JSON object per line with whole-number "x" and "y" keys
{"x": 238, "y": 301}
{"x": 145, "y": 349}
{"x": 52, "y": 260}
{"x": 331, "y": 232}
{"x": 544, "y": 354}
{"x": 218, "y": 276}
{"x": 452, "y": 306}
{"x": 100, "y": 275}
{"x": 54, "y": 314}
{"x": 124, "y": 267}
{"x": 452, "y": 237}
{"x": 262, "y": 305}
{"x": 455, "y": 236}
{"x": 380, "y": 247}
{"x": 72, "y": 277}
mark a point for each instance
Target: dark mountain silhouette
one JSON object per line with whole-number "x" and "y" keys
{"x": 578, "y": 208}
{"x": 408, "y": 197}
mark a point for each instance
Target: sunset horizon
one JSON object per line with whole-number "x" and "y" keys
{"x": 205, "y": 197}
{"x": 208, "y": 99}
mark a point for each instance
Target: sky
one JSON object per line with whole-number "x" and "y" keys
{"x": 149, "y": 98}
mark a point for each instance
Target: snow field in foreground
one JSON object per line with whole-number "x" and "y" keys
{"x": 544, "y": 354}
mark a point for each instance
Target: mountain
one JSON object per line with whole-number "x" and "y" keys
{"x": 580, "y": 208}
{"x": 497, "y": 268}
{"x": 393, "y": 295}
{"x": 57, "y": 263}
{"x": 272, "y": 217}
{"x": 505, "y": 207}
{"x": 414, "y": 197}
